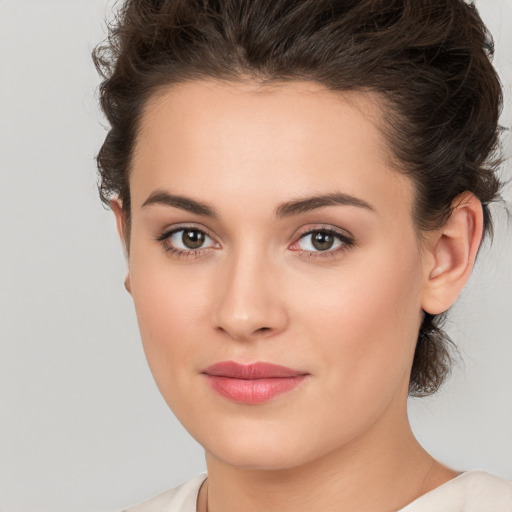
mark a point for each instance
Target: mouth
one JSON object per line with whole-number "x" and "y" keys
{"x": 253, "y": 383}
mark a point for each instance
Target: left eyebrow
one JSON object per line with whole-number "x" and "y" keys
{"x": 308, "y": 204}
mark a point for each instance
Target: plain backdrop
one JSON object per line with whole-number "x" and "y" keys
{"x": 82, "y": 425}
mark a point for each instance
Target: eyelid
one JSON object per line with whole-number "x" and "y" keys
{"x": 343, "y": 235}
{"x": 165, "y": 235}
{"x": 167, "y": 231}
{"x": 306, "y": 230}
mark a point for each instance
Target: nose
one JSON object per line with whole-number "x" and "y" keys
{"x": 249, "y": 303}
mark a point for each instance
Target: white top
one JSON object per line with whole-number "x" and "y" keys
{"x": 472, "y": 491}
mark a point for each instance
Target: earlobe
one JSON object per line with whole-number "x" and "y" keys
{"x": 127, "y": 284}
{"x": 451, "y": 254}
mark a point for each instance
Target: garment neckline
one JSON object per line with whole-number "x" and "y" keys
{"x": 440, "y": 488}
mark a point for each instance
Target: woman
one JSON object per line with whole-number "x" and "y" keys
{"x": 302, "y": 188}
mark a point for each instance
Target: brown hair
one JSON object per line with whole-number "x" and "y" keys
{"x": 429, "y": 60}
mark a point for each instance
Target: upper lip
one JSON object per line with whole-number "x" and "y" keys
{"x": 259, "y": 370}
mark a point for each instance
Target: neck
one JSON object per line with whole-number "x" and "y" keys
{"x": 377, "y": 472}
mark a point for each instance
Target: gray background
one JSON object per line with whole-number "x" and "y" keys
{"x": 82, "y": 425}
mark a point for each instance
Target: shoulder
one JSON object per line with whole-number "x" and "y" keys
{"x": 472, "y": 491}
{"x": 181, "y": 498}
{"x": 485, "y": 489}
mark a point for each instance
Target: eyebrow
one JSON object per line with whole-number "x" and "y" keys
{"x": 159, "y": 197}
{"x": 288, "y": 209}
{"x": 308, "y": 204}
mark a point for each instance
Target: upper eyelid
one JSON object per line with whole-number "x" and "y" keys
{"x": 164, "y": 233}
{"x": 165, "y": 236}
{"x": 331, "y": 229}
{"x": 347, "y": 241}
{"x": 300, "y": 233}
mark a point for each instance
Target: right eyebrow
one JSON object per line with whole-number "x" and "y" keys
{"x": 160, "y": 197}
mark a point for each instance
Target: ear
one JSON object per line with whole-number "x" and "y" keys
{"x": 450, "y": 254}
{"x": 117, "y": 207}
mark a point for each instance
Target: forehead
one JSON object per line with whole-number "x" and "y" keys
{"x": 263, "y": 142}
{"x": 207, "y": 111}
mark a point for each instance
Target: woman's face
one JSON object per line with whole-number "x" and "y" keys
{"x": 269, "y": 227}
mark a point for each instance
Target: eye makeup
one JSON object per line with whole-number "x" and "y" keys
{"x": 187, "y": 241}
{"x": 320, "y": 241}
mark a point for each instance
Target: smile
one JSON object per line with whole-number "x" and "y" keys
{"x": 253, "y": 383}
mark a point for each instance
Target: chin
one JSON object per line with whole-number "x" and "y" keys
{"x": 257, "y": 458}
{"x": 263, "y": 446}
{"x": 252, "y": 445}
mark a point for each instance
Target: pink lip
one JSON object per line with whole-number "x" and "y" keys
{"x": 253, "y": 383}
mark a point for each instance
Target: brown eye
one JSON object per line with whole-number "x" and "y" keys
{"x": 193, "y": 238}
{"x": 322, "y": 240}
{"x": 186, "y": 240}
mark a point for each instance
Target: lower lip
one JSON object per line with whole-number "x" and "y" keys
{"x": 253, "y": 391}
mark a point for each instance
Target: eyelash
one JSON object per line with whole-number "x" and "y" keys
{"x": 346, "y": 243}
{"x": 180, "y": 253}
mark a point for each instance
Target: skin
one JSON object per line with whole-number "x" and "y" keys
{"x": 258, "y": 290}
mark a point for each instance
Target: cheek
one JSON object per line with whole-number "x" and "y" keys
{"x": 368, "y": 316}
{"x": 168, "y": 306}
